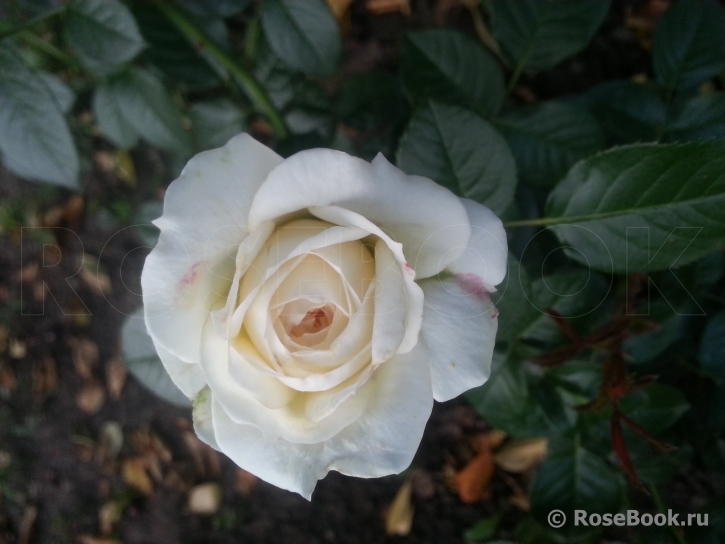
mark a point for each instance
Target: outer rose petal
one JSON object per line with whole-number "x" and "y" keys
{"x": 382, "y": 441}
{"x": 487, "y": 249}
{"x": 204, "y": 221}
{"x": 427, "y": 219}
{"x": 186, "y": 376}
{"x": 459, "y": 330}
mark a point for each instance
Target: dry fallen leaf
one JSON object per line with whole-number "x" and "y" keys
{"x": 17, "y": 349}
{"x": 91, "y": 398}
{"x": 471, "y": 483}
{"x": 116, "y": 374}
{"x": 205, "y": 499}
{"x": 90, "y": 272}
{"x": 136, "y": 475}
{"x": 519, "y": 456}
{"x": 26, "y": 527}
{"x": 108, "y": 516}
{"x": 88, "y": 539}
{"x": 245, "y": 482}
{"x": 85, "y": 356}
{"x": 110, "y": 441}
{"x": 380, "y": 7}
{"x": 45, "y": 375}
{"x": 399, "y": 517}
{"x": 339, "y": 7}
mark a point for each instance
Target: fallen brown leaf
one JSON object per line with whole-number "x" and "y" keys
{"x": 87, "y": 539}
{"x": 380, "y": 7}
{"x": 136, "y": 475}
{"x": 85, "y": 356}
{"x": 519, "y": 456}
{"x": 116, "y": 375}
{"x": 205, "y": 499}
{"x": 245, "y": 482}
{"x": 108, "y": 516}
{"x": 472, "y": 482}
{"x": 399, "y": 517}
{"x": 26, "y": 527}
{"x": 91, "y": 398}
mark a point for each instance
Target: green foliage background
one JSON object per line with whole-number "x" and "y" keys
{"x": 613, "y": 200}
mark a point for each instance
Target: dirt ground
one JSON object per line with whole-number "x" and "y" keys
{"x": 88, "y": 455}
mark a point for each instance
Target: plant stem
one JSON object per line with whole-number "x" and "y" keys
{"x": 49, "y": 49}
{"x": 248, "y": 82}
{"x": 538, "y": 222}
{"x": 657, "y": 498}
{"x": 32, "y": 22}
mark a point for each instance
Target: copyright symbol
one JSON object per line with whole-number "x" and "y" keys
{"x": 556, "y": 519}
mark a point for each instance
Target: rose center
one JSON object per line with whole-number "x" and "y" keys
{"x": 314, "y": 321}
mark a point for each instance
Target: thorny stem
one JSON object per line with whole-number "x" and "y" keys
{"x": 247, "y": 80}
{"x": 657, "y": 498}
{"x": 49, "y": 49}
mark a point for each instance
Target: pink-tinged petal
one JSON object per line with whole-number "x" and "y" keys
{"x": 204, "y": 221}
{"x": 485, "y": 256}
{"x": 459, "y": 331}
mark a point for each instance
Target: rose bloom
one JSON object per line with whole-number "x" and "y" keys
{"x": 314, "y": 307}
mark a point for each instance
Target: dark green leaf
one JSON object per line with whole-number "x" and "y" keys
{"x": 367, "y": 101}
{"x": 103, "y": 34}
{"x": 139, "y": 355}
{"x": 304, "y": 34}
{"x": 215, "y": 8}
{"x": 712, "y": 347}
{"x": 580, "y": 377}
{"x": 688, "y": 43}
{"x": 136, "y": 102}
{"x": 147, "y": 212}
{"x": 505, "y": 401}
{"x": 536, "y": 35}
{"x": 451, "y": 67}
{"x": 642, "y": 208}
{"x": 647, "y": 347}
{"x": 63, "y": 94}
{"x": 34, "y": 138}
{"x": 111, "y": 119}
{"x": 215, "y": 122}
{"x": 627, "y": 111}
{"x": 174, "y": 55}
{"x": 512, "y": 301}
{"x": 462, "y": 151}
{"x": 573, "y": 478}
{"x": 483, "y": 530}
{"x": 702, "y": 118}
{"x": 548, "y": 138}
{"x": 655, "y": 408}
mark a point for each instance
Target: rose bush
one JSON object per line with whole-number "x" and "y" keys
{"x": 314, "y": 307}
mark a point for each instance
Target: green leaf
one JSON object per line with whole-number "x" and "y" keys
{"x": 512, "y": 301}
{"x": 63, "y": 94}
{"x": 215, "y": 122}
{"x": 702, "y": 118}
{"x": 304, "y": 34}
{"x": 642, "y": 208}
{"x": 573, "y": 478}
{"x": 216, "y": 8}
{"x": 655, "y": 408}
{"x": 644, "y": 348}
{"x": 462, "y": 151}
{"x": 174, "y": 55}
{"x": 136, "y": 103}
{"x": 548, "y": 138}
{"x": 367, "y": 101}
{"x": 536, "y": 35}
{"x": 35, "y": 141}
{"x": 451, "y": 67}
{"x": 688, "y": 43}
{"x": 627, "y": 111}
{"x": 139, "y": 355}
{"x": 111, "y": 120}
{"x": 712, "y": 347}
{"x": 506, "y": 402}
{"x": 103, "y": 34}
{"x": 483, "y": 530}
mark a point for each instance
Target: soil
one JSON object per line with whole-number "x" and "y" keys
{"x": 60, "y": 467}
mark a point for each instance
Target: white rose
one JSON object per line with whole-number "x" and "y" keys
{"x": 314, "y": 307}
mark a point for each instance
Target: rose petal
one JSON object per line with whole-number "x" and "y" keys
{"x": 459, "y": 330}
{"x": 428, "y": 224}
{"x": 201, "y": 414}
{"x": 188, "y": 377}
{"x": 487, "y": 249}
{"x": 382, "y": 441}
{"x": 186, "y": 273}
